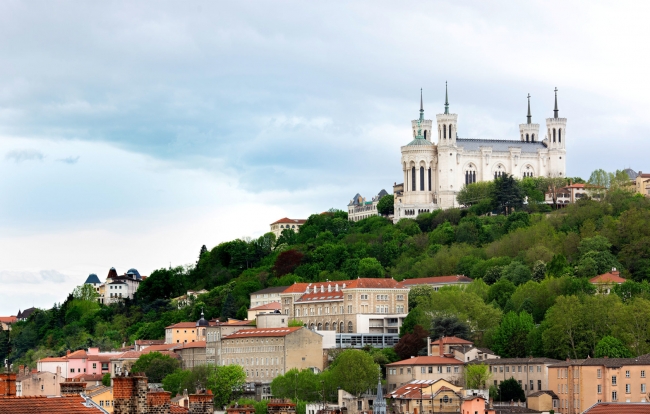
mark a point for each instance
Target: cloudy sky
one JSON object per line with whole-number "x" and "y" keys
{"x": 132, "y": 133}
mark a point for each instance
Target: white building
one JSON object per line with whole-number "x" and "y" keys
{"x": 279, "y": 226}
{"x": 116, "y": 288}
{"x": 359, "y": 208}
{"x": 437, "y": 163}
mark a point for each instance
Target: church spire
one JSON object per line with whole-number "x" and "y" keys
{"x": 446, "y": 100}
{"x": 421, "y": 107}
{"x": 555, "y": 110}
{"x": 528, "y": 117}
{"x": 379, "y": 407}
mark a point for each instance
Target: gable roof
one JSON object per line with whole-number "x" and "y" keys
{"x": 427, "y": 360}
{"x": 268, "y": 306}
{"x": 619, "y": 408}
{"x": 411, "y": 390}
{"x": 297, "y": 288}
{"x": 262, "y": 332}
{"x": 547, "y": 392}
{"x": 182, "y": 325}
{"x": 73, "y": 404}
{"x": 434, "y": 280}
{"x": 445, "y": 340}
{"x": 609, "y": 277}
{"x": 289, "y": 221}
{"x": 8, "y": 319}
{"x": 26, "y": 313}
{"x": 272, "y": 289}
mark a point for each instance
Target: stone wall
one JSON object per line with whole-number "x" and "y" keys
{"x": 130, "y": 395}
{"x": 72, "y": 387}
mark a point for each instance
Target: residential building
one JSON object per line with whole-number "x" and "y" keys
{"x": 642, "y": 184}
{"x": 286, "y": 223}
{"x": 444, "y": 346}
{"x": 116, "y": 288}
{"x": 437, "y": 163}
{"x": 94, "y": 281}
{"x": 188, "y": 298}
{"x": 398, "y": 192}
{"x": 271, "y": 307}
{"x": 437, "y": 281}
{"x": 605, "y": 283}
{"x": 214, "y": 336}
{"x": 79, "y": 362}
{"x": 24, "y": 315}
{"x": 70, "y": 405}
{"x": 6, "y": 322}
{"x": 142, "y": 344}
{"x": 430, "y": 368}
{"x": 476, "y": 404}
{"x": 545, "y": 400}
{"x": 102, "y": 396}
{"x": 532, "y": 374}
{"x": 266, "y": 296}
{"x": 31, "y": 382}
{"x": 192, "y": 354}
{"x": 581, "y": 383}
{"x": 426, "y": 396}
{"x": 364, "y": 305}
{"x": 184, "y": 332}
{"x": 266, "y": 353}
{"x": 123, "y": 362}
{"x": 359, "y": 208}
{"x": 472, "y": 353}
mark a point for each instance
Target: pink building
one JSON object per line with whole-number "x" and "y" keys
{"x": 79, "y": 362}
{"x": 476, "y": 405}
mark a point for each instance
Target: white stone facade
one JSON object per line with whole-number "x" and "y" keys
{"x": 359, "y": 208}
{"x": 436, "y": 164}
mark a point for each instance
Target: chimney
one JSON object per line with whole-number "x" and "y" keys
{"x": 158, "y": 402}
{"x": 67, "y": 352}
{"x": 7, "y": 384}
{"x": 202, "y": 403}
{"x": 72, "y": 387}
{"x": 130, "y": 394}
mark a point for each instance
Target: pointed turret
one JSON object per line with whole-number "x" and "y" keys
{"x": 446, "y": 100}
{"x": 379, "y": 407}
{"x": 555, "y": 111}
{"x": 528, "y": 117}
{"x": 421, "y": 107}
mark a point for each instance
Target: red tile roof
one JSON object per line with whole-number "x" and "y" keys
{"x": 262, "y": 332}
{"x": 609, "y": 277}
{"x": 427, "y": 360}
{"x": 451, "y": 340}
{"x": 162, "y": 347}
{"x": 312, "y": 297}
{"x": 411, "y": 390}
{"x": 80, "y": 354}
{"x": 297, "y": 288}
{"x": 177, "y": 409}
{"x": 367, "y": 283}
{"x": 290, "y": 221}
{"x": 619, "y": 408}
{"x": 435, "y": 280}
{"x": 197, "y": 344}
{"x": 182, "y": 325}
{"x": 88, "y": 377}
{"x": 8, "y": 319}
{"x": 268, "y": 306}
{"x": 149, "y": 341}
{"x": 51, "y": 405}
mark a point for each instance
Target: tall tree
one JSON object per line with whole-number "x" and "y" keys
{"x": 386, "y": 205}
{"x": 410, "y": 344}
{"x": 226, "y": 383}
{"x": 477, "y": 376}
{"x": 449, "y": 325}
{"x": 510, "y": 390}
{"x": 611, "y": 347}
{"x": 229, "y": 308}
{"x": 156, "y": 366}
{"x": 355, "y": 371}
{"x": 508, "y": 195}
{"x": 511, "y": 337}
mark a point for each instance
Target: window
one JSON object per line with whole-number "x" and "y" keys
{"x": 643, "y": 388}
{"x": 599, "y": 373}
{"x": 448, "y": 370}
{"x": 423, "y": 370}
{"x": 532, "y": 385}
{"x": 455, "y": 370}
{"x": 614, "y": 396}
{"x": 430, "y": 370}
{"x": 600, "y": 389}
{"x": 613, "y": 379}
{"x": 400, "y": 308}
{"x": 349, "y": 297}
{"x": 507, "y": 369}
{"x": 539, "y": 368}
{"x": 627, "y": 374}
{"x": 628, "y": 388}
{"x": 349, "y": 308}
{"x": 400, "y": 297}
{"x": 643, "y": 374}
{"x": 539, "y": 385}
{"x": 519, "y": 368}
{"x": 439, "y": 370}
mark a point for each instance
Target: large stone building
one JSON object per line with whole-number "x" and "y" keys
{"x": 359, "y": 208}
{"x": 532, "y": 374}
{"x": 431, "y": 368}
{"x": 362, "y": 305}
{"x": 277, "y": 227}
{"x": 437, "y": 163}
{"x": 581, "y": 383}
{"x": 116, "y": 288}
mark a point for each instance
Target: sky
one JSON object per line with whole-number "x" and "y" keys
{"x": 133, "y": 133}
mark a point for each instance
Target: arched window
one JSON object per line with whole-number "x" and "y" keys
{"x": 320, "y": 326}
{"x": 444, "y": 131}
{"x": 297, "y": 312}
{"x": 527, "y": 138}
{"x": 341, "y": 327}
{"x": 425, "y": 134}
{"x": 421, "y": 178}
{"x": 429, "y": 178}
{"x": 532, "y": 138}
{"x": 450, "y": 136}
{"x": 553, "y": 134}
{"x": 327, "y": 326}
{"x": 439, "y": 133}
{"x": 412, "y": 178}
{"x": 559, "y": 135}
{"x": 350, "y": 327}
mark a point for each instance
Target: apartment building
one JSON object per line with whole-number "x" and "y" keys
{"x": 362, "y": 305}
{"x": 184, "y": 332}
{"x": 266, "y": 353}
{"x": 266, "y": 296}
{"x": 581, "y": 383}
{"x": 277, "y": 227}
{"x": 426, "y": 396}
{"x": 436, "y": 282}
{"x": 79, "y": 362}
{"x": 431, "y": 368}
{"x": 531, "y": 373}
{"x": 214, "y": 335}
{"x": 31, "y": 382}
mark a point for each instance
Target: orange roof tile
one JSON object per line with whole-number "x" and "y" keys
{"x": 297, "y": 288}
{"x": 177, "y": 409}
{"x": 88, "y": 377}
{"x": 435, "y": 280}
{"x": 427, "y": 360}
{"x": 290, "y": 221}
{"x": 268, "y": 306}
{"x": 452, "y": 340}
{"x": 262, "y": 332}
{"x": 197, "y": 344}
{"x": 182, "y": 325}
{"x": 8, "y": 319}
{"x": 609, "y": 277}
{"x": 80, "y": 354}
{"x": 51, "y": 405}
{"x": 619, "y": 408}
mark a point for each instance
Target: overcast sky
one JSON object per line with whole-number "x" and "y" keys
{"x": 132, "y": 133}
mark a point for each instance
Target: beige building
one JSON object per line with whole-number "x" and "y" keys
{"x": 192, "y": 354}
{"x": 642, "y": 184}
{"x": 264, "y": 309}
{"x": 542, "y": 401}
{"x": 605, "y": 283}
{"x": 215, "y": 334}
{"x": 102, "y": 396}
{"x": 362, "y": 305}
{"x": 437, "y": 397}
{"x": 430, "y": 368}
{"x": 266, "y": 353}
{"x": 359, "y": 208}
{"x": 531, "y": 373}
{"x": 437, "y": 281}
{"x": 184, "y": 332}
{"x": 6, "y": 322}
{"x": 286, "y": 223}
{"x": 581, "y": 383}
{"x": 266, "y": 296}
{"x": 30, "y": 382}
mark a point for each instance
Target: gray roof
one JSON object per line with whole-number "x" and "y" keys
{"x": 475, "y": 144}
{"x": 606, "y": 362}
{"x": 273, "y": 289}
{"x": 631, "y": 173}
{"x": 355, "y": 200}
{"x": 92, "y": 278}
{"x": 515, "y": 361}
{"x": 382, "y": 193}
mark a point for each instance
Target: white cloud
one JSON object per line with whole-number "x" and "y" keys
{"x": 24, "y": 155}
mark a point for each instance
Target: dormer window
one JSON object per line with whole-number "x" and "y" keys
{"x": 336, "y": 288}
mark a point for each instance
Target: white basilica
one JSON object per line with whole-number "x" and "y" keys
{"x": 436, "y": 166}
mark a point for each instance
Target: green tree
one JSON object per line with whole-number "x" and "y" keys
{"x": 386, "y": 205}
{"x": 510, "y": 340}
{"x": 106, "y": 380}
{"x": 298, "y": 385}
{"x": 477, "y": 376}
{"x": 449, "y": 325}
{"x": 85, "y": 292}
{"x": 225, "y": 382}
{"x": 563, "y": 334}
{"x": 611, "y": 347}
{"x": 510, "y": 390}
{"x": 370, "y": 267}
{"x": 354, "y": 371}
{"x": 475, "y": 193}
{"x": 508, "y": 195}
{"x": 156, "y": 366}
{"x": 176, "y": 382}
{"x": 419, "y": 291}
{"x": 229, "y": 308}
{"x": 500, "y": 292}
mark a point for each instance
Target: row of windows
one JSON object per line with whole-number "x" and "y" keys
{"x": 529, "y": 138}
{"x": 517, "y": 368}
{"x": 559, "y": 134}
{"x": 413, "y": 188}
{"x": 253, "y": 361}
{"x": 525, "y": 386}
{"x": 263, "y": 373}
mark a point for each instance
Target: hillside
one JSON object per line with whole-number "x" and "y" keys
{"x": 531, "y": 275}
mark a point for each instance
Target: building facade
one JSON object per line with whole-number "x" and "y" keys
{"x": 116, "y": 288}
{"x": 430, "y": 368}
{"x": 279, "y": 226}
{"x": 362, "y": 305}
{"x": 532, "y": 374}
{"x": 266, "y": 353}
{"x": 579, "y": 384}
{"x": 359, "y": 208}
{"x": 437, "y": 163}
{"x": 436, "y": 282}
{"x": 266, "y": 296}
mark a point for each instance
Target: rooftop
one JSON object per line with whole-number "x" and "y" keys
{"x": 289, "y": 221}
{"x": 604, "y": 362}
{"x": 446, "y": 340}
{"x": 619, "y": 408}
{"x": 475, "y": 144}
{"x": 268, "y": 306}
{"x": 262, "y": 332}
{"x": 515, "y": 361}
{"x": 273, "y": 289}
{"x": 427, "y": 360}
{"x": 609, "y": 277}
{"x": 51, "y": 405}
{"x": 435, "y": 280}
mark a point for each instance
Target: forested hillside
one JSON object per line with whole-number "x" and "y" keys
{"x": 531, "y": 294}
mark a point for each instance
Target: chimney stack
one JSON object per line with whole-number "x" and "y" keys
{"x": 7, "y": 384}
{"x": 72, "y": 387}
{"x": 202, "y": 403}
